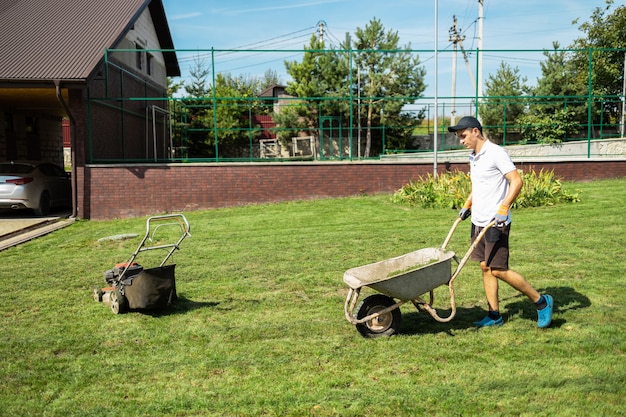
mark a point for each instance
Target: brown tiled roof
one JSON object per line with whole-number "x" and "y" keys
{"x": 65, "y": 39}
{"x": 271, "y": 90}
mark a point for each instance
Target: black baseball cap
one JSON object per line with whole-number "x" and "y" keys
{"x": 467, "y": 122}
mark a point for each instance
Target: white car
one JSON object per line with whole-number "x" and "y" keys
{"x": 40, "y": 186}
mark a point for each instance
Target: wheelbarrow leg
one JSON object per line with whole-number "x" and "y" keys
{"x": 420, "y": 304}
{"x": 348, "y": 307}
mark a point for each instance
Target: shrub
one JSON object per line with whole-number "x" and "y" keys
{"x": 447, "y": 190}
{"x": 543, "y": 189}
{"x": 450, "y": 190}
{"x": 550, "y": 129}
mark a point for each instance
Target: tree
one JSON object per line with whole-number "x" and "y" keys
{"x": 176, "y": 112}
{"x": 548, "y": 128}
{"x": 318, "y": 81}
{"x": 505, "y": 99}
{"x": 390, "y": 78}
{"x": 219, "y": 116}
{"x": 199, "y": 85}
{"x": 604, "y": 37}
{"x": 557, "y": 88}
{"x": 236, "y": 98}
{"x": 555, "y": 108}
{"x": 197, "y": 110}
{"x": 270, "y": 78}
{"x": 173, "y": 86}
{"x": 385, "y": 77}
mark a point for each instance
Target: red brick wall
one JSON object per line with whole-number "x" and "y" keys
{"x": 120, "y": 191}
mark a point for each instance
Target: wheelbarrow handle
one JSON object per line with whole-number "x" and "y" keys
{"x": 428, "y": 306}
{"x": 451, "y": 232}
{"x": 463, "y": 261}
{"x": 454, "y": 226}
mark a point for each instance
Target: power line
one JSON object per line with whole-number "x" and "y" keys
{"x": 309, "y": 29}
{"x": 264, "y": 44}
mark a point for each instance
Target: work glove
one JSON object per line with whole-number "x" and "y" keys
{"x": 466, "y": 211}
{"x": 502, "y": 215}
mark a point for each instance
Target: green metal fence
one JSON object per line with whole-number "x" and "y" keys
{"x": 222, "y": 128}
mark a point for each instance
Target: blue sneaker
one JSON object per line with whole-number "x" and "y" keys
{"x": 545, "y": 314}
{"x": 488, "y": 322}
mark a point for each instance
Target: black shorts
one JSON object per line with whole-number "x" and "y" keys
{"x": 493, "y": 248}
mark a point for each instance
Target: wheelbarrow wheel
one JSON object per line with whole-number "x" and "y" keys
{"x": 384, "y": 325}
{"x": 119, "y": 304}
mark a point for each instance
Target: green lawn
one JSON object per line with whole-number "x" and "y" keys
{"x": 259, "y": 328}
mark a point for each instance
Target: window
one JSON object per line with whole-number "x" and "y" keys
{"x": 149, "y": 63}
{"x": 139, "y": 56}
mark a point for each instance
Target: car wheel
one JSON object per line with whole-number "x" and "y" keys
{"x": 44, "y": 205}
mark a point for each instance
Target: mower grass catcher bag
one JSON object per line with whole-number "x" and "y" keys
{"x": 152, "y": 288}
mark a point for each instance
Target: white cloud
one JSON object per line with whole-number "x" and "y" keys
{"x": 185, "y": 16}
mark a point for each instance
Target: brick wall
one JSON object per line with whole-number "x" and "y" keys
{"x": 120, "y": 191}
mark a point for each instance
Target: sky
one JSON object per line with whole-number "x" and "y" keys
{"x": 514, "y": 31}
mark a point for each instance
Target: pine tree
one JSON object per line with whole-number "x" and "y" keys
{"x": 390, "y": 78}
{"x": 505, "y": 100}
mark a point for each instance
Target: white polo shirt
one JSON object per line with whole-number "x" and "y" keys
{"x": 489, "y": 186}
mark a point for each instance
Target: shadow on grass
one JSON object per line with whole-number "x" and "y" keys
{"x": 181, "y": 306}
{"x": 565, "y": 299}
{"x": 420, "y": 322}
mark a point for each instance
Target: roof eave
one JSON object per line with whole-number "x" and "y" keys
{"x": 165, "y": 38}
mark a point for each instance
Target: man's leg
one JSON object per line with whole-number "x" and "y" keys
{"x": 490, "y": 283}
{"x": 544, "y": 303}
{"x": 515, "y": 280}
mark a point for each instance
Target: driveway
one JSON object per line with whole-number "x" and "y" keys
{"x": 18, "y": 226}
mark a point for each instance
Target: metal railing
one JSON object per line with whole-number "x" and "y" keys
{"x": 219, "y": 128}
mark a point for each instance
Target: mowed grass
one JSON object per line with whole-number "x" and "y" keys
{"x": 259, "y": 329}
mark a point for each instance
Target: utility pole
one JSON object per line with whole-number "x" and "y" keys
{"x": 479, "y": 70}
{"x": 435, "y": 133}
{"x": 623, "y": 97}
{"x": 321, "y": 27}
{"x": 455, "y": 38}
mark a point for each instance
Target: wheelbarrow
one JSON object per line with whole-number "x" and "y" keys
{"x": 400, "y": 280}
{"x": 133, "y": 287}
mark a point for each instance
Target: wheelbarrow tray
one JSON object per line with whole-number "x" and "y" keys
{"x": 404, "y": 277}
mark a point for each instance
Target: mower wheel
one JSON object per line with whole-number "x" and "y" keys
{"x": 97, "y": 295}
{"x": 119, "y": 303}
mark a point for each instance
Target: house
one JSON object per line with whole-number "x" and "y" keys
{"x": 275, "y": 96}
{"x": 83, "y": 61}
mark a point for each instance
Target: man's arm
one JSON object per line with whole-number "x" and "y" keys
{"x": 515, "y": 186}
{"x": 466, "y": 210}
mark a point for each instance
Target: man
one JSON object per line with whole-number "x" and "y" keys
{"x": 495, "y": 186}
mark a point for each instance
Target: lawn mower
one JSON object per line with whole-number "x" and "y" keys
{"x": 130, "y": 286}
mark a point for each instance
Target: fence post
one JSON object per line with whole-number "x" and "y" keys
{"x": 215, "y": 135}
{"x": 589, "y": 101}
